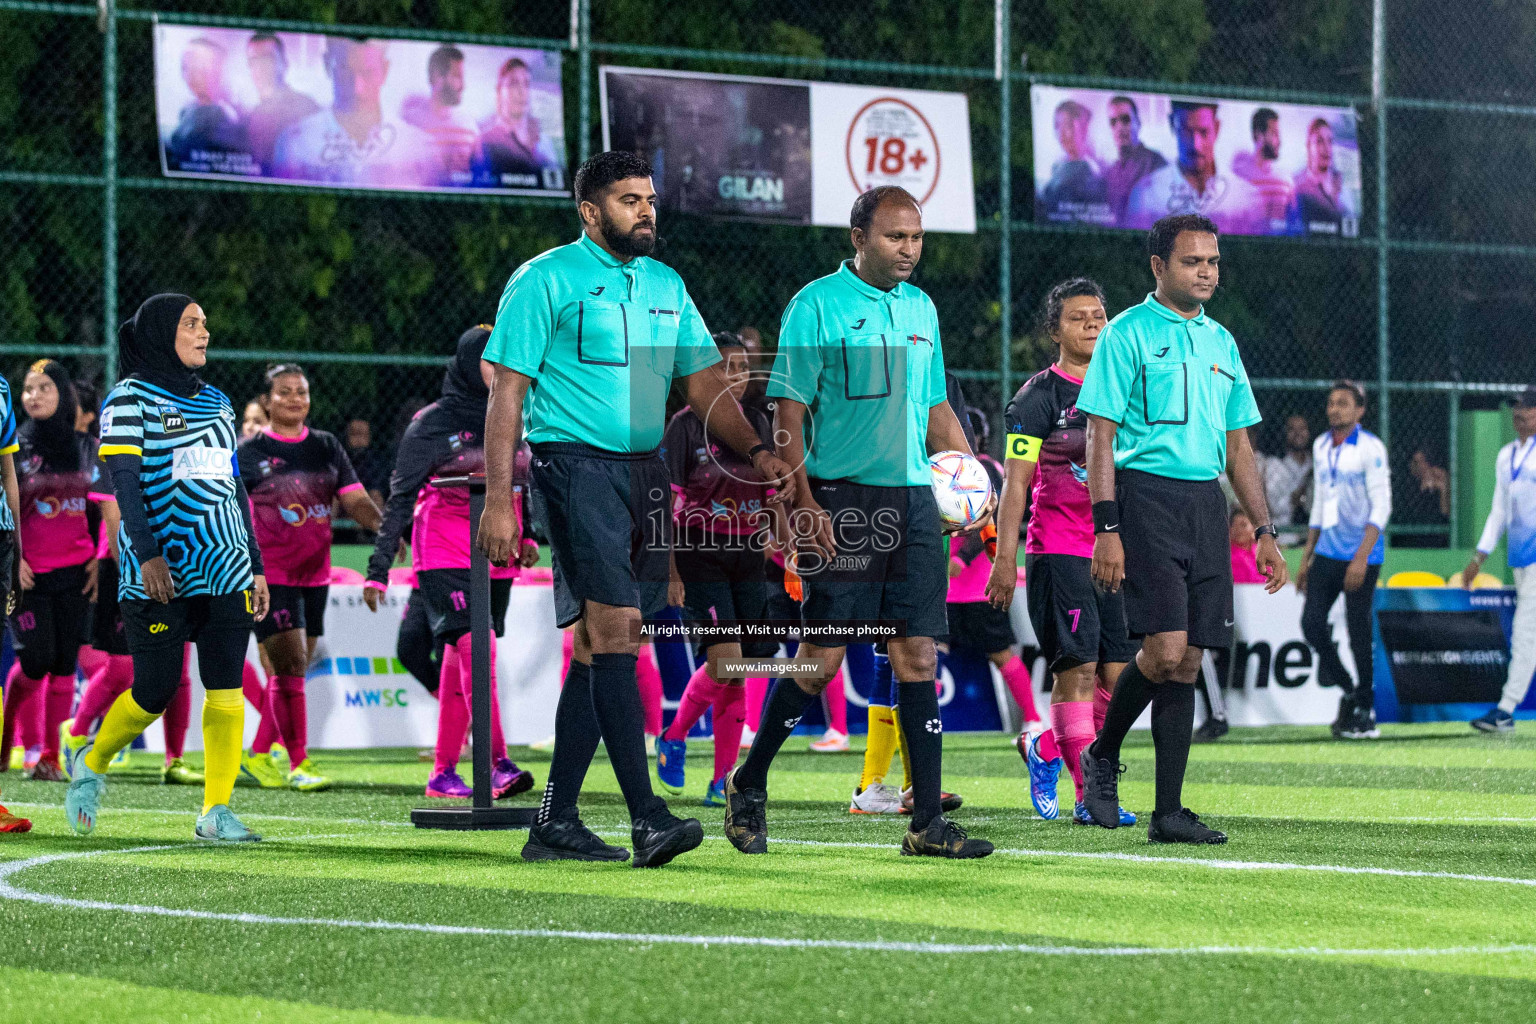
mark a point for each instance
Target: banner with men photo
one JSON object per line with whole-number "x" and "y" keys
{"x": 1126, "y": 159}
{"x": 308, "y": 109}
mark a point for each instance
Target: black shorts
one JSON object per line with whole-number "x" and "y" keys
{"x": 445, "y": 593}
{"x": 294, "y": 608}
{"x": 724, "y": 584}
{"x": 780, "y": 606}
{"x": 1178, "y": 560}
{"x": 1075, "y": 623}
{"x": 152, "y": 626}
{"x": 891, "y": 563}
{"x": 977, "y": 626}
{"x": 48, "y": 625}
{"x": 108, "y": 635}
{"x": 609, "y": 516}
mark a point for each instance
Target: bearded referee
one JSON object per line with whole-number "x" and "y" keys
{"x": 1168, "y": 405}
{"x": 593, "y": 334}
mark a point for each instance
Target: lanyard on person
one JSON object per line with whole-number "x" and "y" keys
{"x": 1516, "y": 467}
{"x": 1334, "y": 453}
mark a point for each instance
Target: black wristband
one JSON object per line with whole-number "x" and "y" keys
{"x": 1267, "y": 530}
{"x": 1106, "y": 517}
{"x": 759, "y": 447}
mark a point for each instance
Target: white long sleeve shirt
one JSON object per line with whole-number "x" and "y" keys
{"x": 1514, "y": 503}
{"x": 1351, "y": 489}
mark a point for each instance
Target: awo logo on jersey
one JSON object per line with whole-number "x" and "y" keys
{"x": 200, "y": 463}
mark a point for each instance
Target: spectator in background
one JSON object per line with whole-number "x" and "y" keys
{"x": 210, "y": 123}
{"x": 1288, "y": 481}
{"x": 438, "y": 114}
{"x": 372, "y": 465}
{"x": 1135, "y": 161}
{"x": 1257, "y": 167}
{"x": 88, "y": 414}
{"x": 1245, "y": 565}
{"x": 280, "y": 106}
{"x": 253, "y": 418}
{"x": 1430, "y": 502}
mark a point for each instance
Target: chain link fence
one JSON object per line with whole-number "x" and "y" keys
{"x": 1430, "y": 307}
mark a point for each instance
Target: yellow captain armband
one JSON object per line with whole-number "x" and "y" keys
{"x": 1022, "y": 446}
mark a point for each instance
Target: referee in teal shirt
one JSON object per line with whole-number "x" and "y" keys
{"x": 1169, "y": 407}
{"x": 589, "y": 338}
{"x": 859, "y": 380}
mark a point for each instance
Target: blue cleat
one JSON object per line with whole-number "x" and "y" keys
{"x": 1080, "y": 816}
{"x": 1496, "y": 720}
{"x": 221, "y": 826}
{"x": 671, "y": 755}
{"x": 82, "y": 801}
{"x": 714, "y": 796}
{"x": 1042, "y": 780}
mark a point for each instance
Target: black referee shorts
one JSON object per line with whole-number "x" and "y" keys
{"x": 723, "y": 584}
{"x": 1074, "y": 621}
{"x": 892, "y": 559}
{"x": 609, "y": 516}
{"x": 977, "y": 626}
{"x": 1178, "y": 560}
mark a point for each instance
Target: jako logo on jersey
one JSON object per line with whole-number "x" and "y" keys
{"x": 201, "y": 463}
{"x": 158, "y": 627}
{"x": 375, "y": 698}
{"x": 171, "y": 419}
{"x": 298, "y": 515}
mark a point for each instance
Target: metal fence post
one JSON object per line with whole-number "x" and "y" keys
{"x": 584, "y": 90}
{"x": 1002, "y": 60}
{"x": 107, "y": 20}
{"x": 1383, "y": 251}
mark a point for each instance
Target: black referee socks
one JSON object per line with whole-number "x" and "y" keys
{"x": 576, "y": 739}
{"x": 621, "y": 718}
{"x": 1132, "y": 695}
{"x": 1173, "y": 723}
{"x": 780, "y": 716}
{"x": 924, "y": 730}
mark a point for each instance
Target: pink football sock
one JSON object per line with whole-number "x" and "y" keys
{"x": 1072, "y": 725}
{"x": 106, "y": 684}
{"x": 294, "y": 723}
{"x": 834, "y": 701}
{"x": 701, "y": 692}
{"x": 1016, "y": 676}
{"x": 757, "y": 692}
{"x": 57, "y": 704}
{"x": 21, "y": 693}
{"x": 452, "y": 713}
{"x": 1046, "y": 746}
{"x": 648, "y": 677}
{"x": 466, "y": 665}
{"x": 1100, "y": 705}
{"x": 730, "y": 709}
{"x": 178, "y": 714}
{"x": 89, "y": 659}
{"x": 255, "y": 691}
{"x": 30, "y": 724}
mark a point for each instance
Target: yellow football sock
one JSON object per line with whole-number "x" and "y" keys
{"x": 223, "y": 723}
{"x": 880, "y": 746}
{"x": 122, "y": 723}
{"x": 901, "y": 744}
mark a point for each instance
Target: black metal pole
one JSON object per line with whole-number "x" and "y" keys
{"x": 480, "y": 648}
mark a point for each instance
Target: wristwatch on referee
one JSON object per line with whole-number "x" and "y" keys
{"x": 1267, "y": 530}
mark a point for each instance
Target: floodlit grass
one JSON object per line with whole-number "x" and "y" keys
{"x": 348, "y": 914}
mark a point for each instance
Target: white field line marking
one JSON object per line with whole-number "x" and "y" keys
{"x": 10, "y": 891}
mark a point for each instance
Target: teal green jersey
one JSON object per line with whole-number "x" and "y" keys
{"x": 869, "y": 365}
{"x": 1175, "y": 386}
{"x": 602, "y": 340}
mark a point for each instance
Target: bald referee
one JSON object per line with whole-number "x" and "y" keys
{"x": 592, "y": 335}
{"x": 1168, "y": 405}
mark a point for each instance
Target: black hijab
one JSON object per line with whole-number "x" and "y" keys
{"x": 54, "y": 438}
{"x": 465, "y": 395}
{"x": 147, "y": 345}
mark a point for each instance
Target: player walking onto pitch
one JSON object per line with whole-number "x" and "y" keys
{"x": 859, "y": 350}
{"x": 190, "y": 567}
{"x": 593, "y": 334}
{"x": 1081, "y": 629}
{"x": 719, "y": 522}
{"x": 1346, "y": 543}
{"x": 1168, "y": 406}
{"x": 1514, "y": 508}
{"x": 446, "y": 440}
{"x": 293, "y": 474}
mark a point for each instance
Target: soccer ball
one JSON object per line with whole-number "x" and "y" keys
{"x": 961, "y": 487}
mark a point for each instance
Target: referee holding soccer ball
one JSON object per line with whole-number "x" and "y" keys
{"x": 859, "y": 382}
{"x": 1168, "y": 405}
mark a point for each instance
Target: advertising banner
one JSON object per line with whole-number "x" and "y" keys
{"x": 307, "y": 109}
{"x": 795, "y": 152}
{"x": 1126, "y": 159}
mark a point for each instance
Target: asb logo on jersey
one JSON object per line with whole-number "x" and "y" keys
{"x": 50, "y": 507}
{"x": 298, "y": 515}
{"x": 200, "y": 463}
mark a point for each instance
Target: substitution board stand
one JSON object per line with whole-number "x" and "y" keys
{"x": 482, "y": 813}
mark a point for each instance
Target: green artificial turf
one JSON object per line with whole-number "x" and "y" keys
{"x": 1266, "y": 928}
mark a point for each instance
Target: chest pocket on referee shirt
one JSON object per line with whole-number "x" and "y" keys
{"x": 662, "y": 338}
{"x": 603, "y": 332}
{"x": 1165, "y": 390}
{"x": 866, "y": 367}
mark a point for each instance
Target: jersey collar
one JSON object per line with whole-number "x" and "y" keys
{"x": 1172, "y": 317}
{"x": 603, "y": 256}
{"x": 847, "y": 276}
